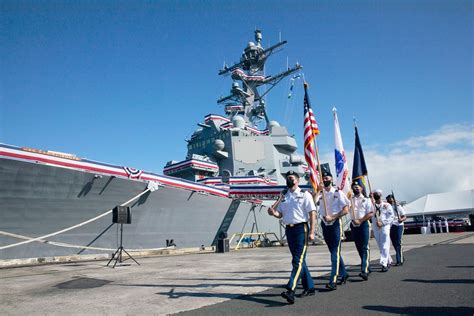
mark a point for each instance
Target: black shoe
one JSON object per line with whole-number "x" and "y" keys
{"x": 364, "y": 276}
{"x": 309, "y": 292}
{"x": 384, "y": 269}
{"x": 289, "y": 296}
{"x": 331, "y": 286}
{"x": 343, "y": 279}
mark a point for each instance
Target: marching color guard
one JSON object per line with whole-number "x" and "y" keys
{"x": 336, "y": 204}
{"x": 296, "y": 208}
{"x": 361, "y": 211}
{"x": 396, "y": 231}
{"x": 381, "y": 222}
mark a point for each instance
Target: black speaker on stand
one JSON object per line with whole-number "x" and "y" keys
{"x": 121, "y": 215}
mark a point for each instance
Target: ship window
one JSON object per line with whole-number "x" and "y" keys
{"x": 235, "y": 133}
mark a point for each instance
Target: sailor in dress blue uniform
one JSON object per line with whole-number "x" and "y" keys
{"x": 296, "y": 208}
{"x": 361, "y": 212}
{"x": 396, "y": 231}
{"x": 337, "y": 205}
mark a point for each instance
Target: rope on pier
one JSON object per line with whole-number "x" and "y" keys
{"x": 152, "y": 186}
{"x": 61, "y": 244}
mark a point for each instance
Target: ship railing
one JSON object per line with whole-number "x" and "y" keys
{"x": 255, "y": 242}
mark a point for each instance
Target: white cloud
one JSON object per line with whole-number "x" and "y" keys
{"x": 447, "y": 135}
{"x": 440, "y": 162}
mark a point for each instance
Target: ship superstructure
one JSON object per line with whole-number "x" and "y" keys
{"x": 236, "y": 144}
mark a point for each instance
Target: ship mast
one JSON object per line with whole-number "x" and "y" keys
{"x": 248, "y": 75}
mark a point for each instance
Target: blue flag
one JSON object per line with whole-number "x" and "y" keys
{"x": 359, "y": 169}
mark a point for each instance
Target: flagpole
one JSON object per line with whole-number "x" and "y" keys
{"x": 368, "y": 183}
{"x": 371, "y": 197}
{"x": 316, "y": 151}
{"x": 352, "y": 198}
{"x": 320, "y": 176}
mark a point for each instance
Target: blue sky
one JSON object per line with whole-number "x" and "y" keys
{"x": 125, "y": 82}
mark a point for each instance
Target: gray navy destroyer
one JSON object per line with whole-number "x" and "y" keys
{"x": 54, "y": 203}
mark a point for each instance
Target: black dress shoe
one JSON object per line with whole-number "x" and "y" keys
{"x": 343, "y": 279}
{"x": 289, "y": 296}
{"x": 309, "y": 292}
{"x": 364, "y": 276}
{"x": 331, "y": 286}
{"x": 384, "y": 269}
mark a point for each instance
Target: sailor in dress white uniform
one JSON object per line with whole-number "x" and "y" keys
{"x": 381, "y": 223}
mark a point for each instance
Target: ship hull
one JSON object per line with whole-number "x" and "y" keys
{"x": 38, "y": 199}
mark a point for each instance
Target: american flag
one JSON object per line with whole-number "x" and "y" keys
{"x": 311, "y": 130}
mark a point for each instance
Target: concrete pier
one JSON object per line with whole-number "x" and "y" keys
{"x": 438, "y": 270}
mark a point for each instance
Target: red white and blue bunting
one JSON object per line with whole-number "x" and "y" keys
{"x": 133, "y": 173}
{"x": 239, "y": 74}
{"x": 43, "y": 157}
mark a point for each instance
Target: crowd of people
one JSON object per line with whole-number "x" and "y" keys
{"x": 297, "y": 210}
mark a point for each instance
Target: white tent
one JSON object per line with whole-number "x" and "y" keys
{"x": 459, "y": 202}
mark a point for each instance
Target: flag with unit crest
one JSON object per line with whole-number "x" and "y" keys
{"x": 359, "y": 169}
{"x": 342, "y": 169}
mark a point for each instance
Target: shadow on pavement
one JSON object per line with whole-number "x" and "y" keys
{"x": 202, "y": 285}
{"x": 260, "y": 298}
{"x": 421, "y": 310}
{"x": 452, "y": 281}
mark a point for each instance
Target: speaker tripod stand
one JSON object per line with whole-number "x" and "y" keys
{"x": 118, "y": 254}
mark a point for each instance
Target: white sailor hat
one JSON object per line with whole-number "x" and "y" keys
{"x": 377, "y": 191}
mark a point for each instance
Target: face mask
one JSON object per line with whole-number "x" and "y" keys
{"x": 327, "y": 183}
{"x": 377, "y": 196}
{"x": 290, "y": 183}
{"x": 356, "y": 191}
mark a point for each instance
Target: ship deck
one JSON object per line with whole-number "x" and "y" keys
{"x": 437, "y": 278}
